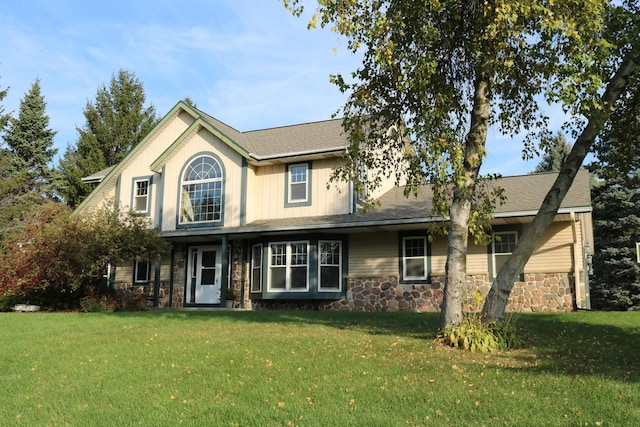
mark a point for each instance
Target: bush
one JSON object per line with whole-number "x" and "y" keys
{"x": 57, "y": 255}
{"x": 475, "y": 335}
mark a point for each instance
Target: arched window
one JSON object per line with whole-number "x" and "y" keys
{"x": 201, "y": 191}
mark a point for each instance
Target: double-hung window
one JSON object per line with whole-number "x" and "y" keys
{"x": 201, "y": 191}
{"x": 502, "y": 245}
{"x": 141, "y": 271}
{"x": 256, "y": 268}
{"x": 330, "y": 265}
{"x": 414, "y": 258}
{"x": 298, "y": 184}
{"x": 289, "y": 266}
{"x": 141, "y": 195}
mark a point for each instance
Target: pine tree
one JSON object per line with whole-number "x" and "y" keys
{"x": 30, "y": 140}
{"x": 616, "y": 281}
{"x": 556, "y": 151}
{"x": 25, "y": 174}
{"x": 115, "y": 123}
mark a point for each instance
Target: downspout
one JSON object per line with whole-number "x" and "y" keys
{"x": 577, "y": 260}
{"x": 587, "y": 258}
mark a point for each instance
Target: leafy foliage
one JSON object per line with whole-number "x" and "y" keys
{"x": 436, "y": 74}
{"x": 57, "y": 255}
{"x": 476, "y": 335}
{"x": 115, "y": 123}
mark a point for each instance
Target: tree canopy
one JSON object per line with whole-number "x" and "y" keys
{"x": 116, "y": 122}
{"x": 439, "y": 73}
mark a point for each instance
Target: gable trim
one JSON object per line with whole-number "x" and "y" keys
{"x": 200, "y": 123}
{"x": 116, "y": 168}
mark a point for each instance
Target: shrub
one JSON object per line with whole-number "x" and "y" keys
{"x": 475, "y": 335}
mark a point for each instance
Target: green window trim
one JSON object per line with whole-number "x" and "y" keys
{"x": 414, "y": 256}
{"x": 298, "y": 185}
{"x": 141, "y": 188}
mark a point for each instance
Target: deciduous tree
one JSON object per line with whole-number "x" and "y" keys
{"x": 442, "y": 72}
{"x": 622, "y": 29}
{"x": 56, "y": 254}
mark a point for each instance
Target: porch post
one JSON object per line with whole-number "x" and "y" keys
{"x": 225, "y": 268}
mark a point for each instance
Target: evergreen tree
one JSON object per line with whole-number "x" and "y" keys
{"x": 30, "y": 140}
{"x": 556, "y": 151}
{"x": 616, "y": 281}
{"x": 25, "y": 174}
{"x": 116, "y": 122}
{"x": 615, "y": 284}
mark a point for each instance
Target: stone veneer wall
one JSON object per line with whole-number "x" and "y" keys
{"x": 537, "y": 292}
{"x": 180, "y": 271}
{"x": 179, "y": 276}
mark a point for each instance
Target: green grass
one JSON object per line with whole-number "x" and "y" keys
{"x": 312, "y": 369}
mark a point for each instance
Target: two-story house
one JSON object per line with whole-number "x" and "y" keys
{"x": 253, "y": 211}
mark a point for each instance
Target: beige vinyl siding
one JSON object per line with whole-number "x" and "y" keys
{"x": 554, "y": 252}
{"x": 203, "y": 142}
{"x": 252, "y": 212}
{"x": 438, "y": 255}
{"x": 373, "y": 255}
{"x": 267, "y": 198}
{"x": 137, "y": 165}
{"x": 552, "y": 255}
{"x": 124, "y": 273}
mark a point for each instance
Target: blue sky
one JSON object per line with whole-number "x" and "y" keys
{"x": 249, "y": 63}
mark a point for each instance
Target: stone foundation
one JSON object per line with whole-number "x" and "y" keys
{"x": 551, "y": 292}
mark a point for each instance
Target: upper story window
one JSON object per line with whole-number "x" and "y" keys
{"x": 141, "y": 194}
{"x": 298, "y": 184}
{"x": 502, "y": 245}
{"x": 201, "y": 191}
{"x": 414, "y": 258}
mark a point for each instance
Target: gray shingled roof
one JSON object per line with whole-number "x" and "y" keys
{"x": 524, "y": 194}
{"x": 286, "y": 140}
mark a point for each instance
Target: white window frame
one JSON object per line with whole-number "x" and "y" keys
{"x": 638, "y": 252}
{"x": 136, "y": 196}
{"x": 256, "y": 268}
{"x": 136, "y": 268}
{"x": 494, "y": 251}
{"x": 291, "y": 183}
{"x": 405, "y": 275}
{"x": 287, "y": 266}
{"x": 321, "y": 264}
{"x": 184, "y": 194}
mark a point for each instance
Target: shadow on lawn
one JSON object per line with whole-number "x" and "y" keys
{"x": 561, "y": 343}
{"x": 580, "y": 344}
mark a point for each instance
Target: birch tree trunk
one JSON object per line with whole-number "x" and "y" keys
{"x": 496, "y": 302}
{"x": 456, "y": 267}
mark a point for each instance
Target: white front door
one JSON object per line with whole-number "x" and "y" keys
{"x": 204, "y": 275}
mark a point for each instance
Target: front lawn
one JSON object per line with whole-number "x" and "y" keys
{"x": 233, "y": 368}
